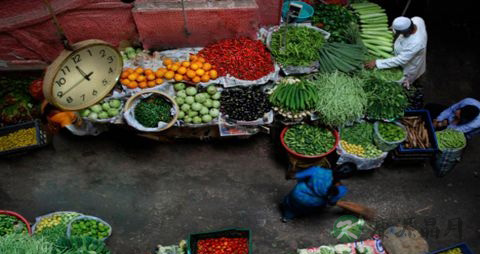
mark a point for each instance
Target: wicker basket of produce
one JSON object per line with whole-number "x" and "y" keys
{"x": 309, "y": 142}
{"x": 151, "y": 111}
{"x": 12, "y": 222}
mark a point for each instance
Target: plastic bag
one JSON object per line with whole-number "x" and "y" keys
{"x": 371, "y": 246}
{"x": 384, "y": 145}
{"x": 266, "y": 34}
{"x": 87, "y": 128}
{"x": 360, "y": 162}
{"x": 132, "y": 121}
{"x": 88, "y": 217}
{"x": 49, "y": 215}
{"x": 266, "y": 119}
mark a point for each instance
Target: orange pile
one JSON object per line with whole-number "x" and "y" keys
{"x": 133, "y": 78}
{"x": 195, "y": 70}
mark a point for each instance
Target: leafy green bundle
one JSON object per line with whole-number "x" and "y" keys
{"x": 80, "y": 245}
{"x": 358, "y": 133}
{"x": 24, "y": 244}
{"x": 302, "y": 45}
{"x": 386, "y": 99}
{"x": 335, "y": 19}
{"x": 149, "y": 112}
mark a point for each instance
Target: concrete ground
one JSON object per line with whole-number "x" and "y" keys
{"x": 153, "y": 193}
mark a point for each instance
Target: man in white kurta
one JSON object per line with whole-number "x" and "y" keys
{"x": 410, "y": 49}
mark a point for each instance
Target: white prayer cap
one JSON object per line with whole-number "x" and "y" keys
{"x": 401, "y": 23}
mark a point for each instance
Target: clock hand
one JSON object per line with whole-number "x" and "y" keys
{"x": 72, "y": 87}
{"x": 82, "y": 73}
{"x": 88, "y": 76}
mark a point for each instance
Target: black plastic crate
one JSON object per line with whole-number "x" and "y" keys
{"x": 41, "y": 136}
{"x": 416, "y": 152}
{"x": 193, "y": 239}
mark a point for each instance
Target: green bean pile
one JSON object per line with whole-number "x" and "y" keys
{"x": 309, "y": 140}
{"x": 450, "y": 139}
{"x": 341, "y": 98}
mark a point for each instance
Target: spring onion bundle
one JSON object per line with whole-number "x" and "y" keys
{"x": 341, "y": 98}
{"x": 341, "y": 56}
{"x": 374, "y": 25}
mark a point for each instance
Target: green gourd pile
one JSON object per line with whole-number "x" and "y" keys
{"x": 391, "y": 132}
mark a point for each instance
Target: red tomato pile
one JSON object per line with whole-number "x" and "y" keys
{"x": 223, "y": 246}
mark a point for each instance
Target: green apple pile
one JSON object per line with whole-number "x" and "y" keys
{"x": 197, "y": 106}
{"x": 105, "y": 110}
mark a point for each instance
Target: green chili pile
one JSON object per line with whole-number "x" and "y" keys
{"x": 341, "y": 98}
{"x": 450, "y": 139}
{"x": 149, "y": 112}
{"x": 10, "y": 224}
{"x": 309, "y": 140}
{"x": 302, "y": 46}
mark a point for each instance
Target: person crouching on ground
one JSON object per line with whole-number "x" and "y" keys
{"x": 462, "y": 116}
{"x": 316, "y": 188}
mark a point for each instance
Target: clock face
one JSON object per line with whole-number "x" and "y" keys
{"x": 86, "y": 76}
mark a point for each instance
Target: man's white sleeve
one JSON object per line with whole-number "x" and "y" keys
{"x": 404, "y": 57}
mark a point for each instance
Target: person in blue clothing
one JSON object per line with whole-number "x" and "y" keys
{"x": 316, "y": 188}
{"x": 462, "y": 116}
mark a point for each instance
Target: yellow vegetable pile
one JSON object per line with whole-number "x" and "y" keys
{"x": 48, "y": 222}
{"x": 353, "y": 149}
{"x": 17, "y": 139}
{"x": 453, "y": 251}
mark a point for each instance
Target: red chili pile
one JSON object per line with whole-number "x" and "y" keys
{"x": 242, "y": 58}
{"x": 223, "y": 246}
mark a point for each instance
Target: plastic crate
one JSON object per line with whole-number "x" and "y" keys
{"x": 193, "y": 239}
{"x": 431, "y": 134}
{"x": 41, "y": 136}
{"x": 463, "y": 247}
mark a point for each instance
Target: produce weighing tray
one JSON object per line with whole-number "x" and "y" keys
{"x": 193, "y": 239}
{"x": 40, "y": 133}
{"x": 431, "y": 134}
{"x": 462, "y": 246}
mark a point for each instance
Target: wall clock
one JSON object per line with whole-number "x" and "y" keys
{"x": 83, "y": 76}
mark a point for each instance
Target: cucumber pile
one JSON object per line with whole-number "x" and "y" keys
{"x": 341, "y": 56}
{"x": 376, "y": 36}
{"x": 294, "y": 95}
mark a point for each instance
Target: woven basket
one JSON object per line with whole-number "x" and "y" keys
{"x": 138, "y": 95}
